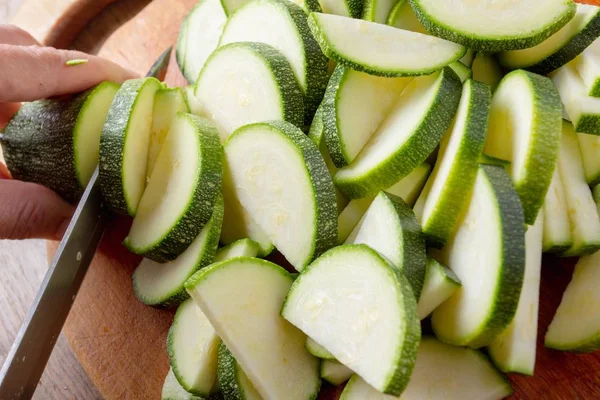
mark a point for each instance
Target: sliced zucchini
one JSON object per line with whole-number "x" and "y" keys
{"x": 167, "y": 103}
{"x": 440, "y": 283}
{"x": 589, "y": 145}
{"x": 335, "y": 372}
{"x": 514, "y": 349}
{"x": 560, "y": 48}
{"x": 54, "y": 142}
{"x": 368, "y": 321}
{"x": 461, "y": 70}
{"x": 390, "y": 227}
{"x": 161, "y": 285}
{"x": 468, "y": 58}
{"x": 487, "y": 252}
{"x": 587, "y": 65}
{"x": 402, "y": 16}
{"x": 182, "y": 191}
{"x": 486, "y": 69}
{"x": 199, "y": 37}
{"x": 442, "y": 372}
{"x": 126, "y": 135}
{"x": 350, "y": 217}
{"x": 248, "y": 82}
{"x": 447, "y": 190}
{"x": 239, "y": 248}
{"x": 581, "y": 209}
{"x": 233, "y": 380}
{"x": 172, "y": 390}
{"x": 282, "y": 24}
{"x": 377, "y": 10}
{"x": 317, "y": 350}
{"x": 494, "y": 26}
{"x": 583, "y": 110}
{"x": 575, "y": 326}
{"x": 379, "y": 49}
{"x": 524, "y": 128}
{"x": 280, "y": 178}
{"x": 193, "y": 346}
{"x": 192, "y": 102}
{"x": 346, "y": 8}
{"x": 234, "y": 295}
{"x": 407, "y": 136}
{"x": 557, "y": 228}
{"x": 347, "y": 131}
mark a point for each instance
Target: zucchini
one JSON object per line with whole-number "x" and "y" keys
{"x": 377, "y": 10}
{"x": 182, "y": 191}
{"x": 468, "y": 58}
{"x": 193, "y": 104}
{"x": 487, "y": 252}
{"x": 402, "y": 16}
{"x": 560, "y": 48}
{"x": 557, "y": 228}
{"x": 335, "y": 372}
{"x": 461, "y": 70}
{"x": 589, "y": 145}
{"x": 368, "y": 321}
{"x": 379, "y": 49}
{"x": 575, "y": 326}
{"x": 346, "y": 8}
{"x": 407, "y": 136}
{"x": 390, "y": 227}
{"x": 582, "y": 110}
{"x": 282, "y": 24}
{"x": 581, "y": 209}
{"x": 126, "y": 135}
{"x": 317, "y": 350}
{"x": 239, "y": 248}
{"x": 347, "y": 131}
{"x": 234, "y": 295}
{"x": 442, "y": 372}
{"x": 494, "y": 26}
{"x": 350, "y": 216}
{"x": 161, "y": 285}
{"x": 55, "y": 142}
{"x": 167, "y": 103}
{"x": 248, "y": 82}
{"x": 280, "y": 178}
{"x": 486, "y": 69}
{"x": 524, "y": 128}
{"x": 453, "y": 177}
{"x": 199, "y": 37}
{"x": 232, "y": 379}
{"x": 172, "y": 390}
{"x": 440, "y": 283}
{"x": 193, "y": 346}
{"x": 514, "y": 349}
{"x": 587, "y": 65}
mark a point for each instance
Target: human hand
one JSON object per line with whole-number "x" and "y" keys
{"x": 28, "y": 72}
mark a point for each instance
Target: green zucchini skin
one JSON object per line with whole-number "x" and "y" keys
{"x": 329, "y": 115}
{"x": 228, "y": 371}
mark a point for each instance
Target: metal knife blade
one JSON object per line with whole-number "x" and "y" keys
{"x": 35, "y": 340}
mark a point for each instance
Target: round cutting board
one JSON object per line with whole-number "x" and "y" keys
{"x": 119, "y": 341}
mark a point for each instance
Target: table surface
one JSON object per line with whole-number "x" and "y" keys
{"x": 23, "y": 265}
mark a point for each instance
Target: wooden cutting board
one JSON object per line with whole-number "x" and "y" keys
{"x": 119, "y": 341}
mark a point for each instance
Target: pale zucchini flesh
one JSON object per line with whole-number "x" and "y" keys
{"x": 461, "y": 70}
{"x": 557, "y": 227}
{"x": 587, "y": 65}
{"x": 317, "y": 350}
{"x": 377, "y": 10}
{"x": 346, "y": 8}
{"x": 172, "y": 390}
{"x": 239, "y": 248}
{"x": 440, "y": 283}
{"x": 350, "y": 217}
{"x": 402, "y": 16}
{"x": 589, "y": 145}
{"x": 233, "y": 381}
{"x": 487, "y": 70}
{"x": 334, "y": 372}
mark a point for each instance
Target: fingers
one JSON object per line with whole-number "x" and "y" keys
{"x": 31, "y": 211}
{"x": 32, "y": 72}
{"x": 10, "y": 34}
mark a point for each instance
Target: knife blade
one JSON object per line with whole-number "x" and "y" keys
{"x": 37, "y": 336}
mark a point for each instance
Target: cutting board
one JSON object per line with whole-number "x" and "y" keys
{"x": 119, "y": 341}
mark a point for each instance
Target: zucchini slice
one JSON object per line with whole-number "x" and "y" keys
{"x": 282, "y": 24}
{"x": 390, "y": 227}
{"x": 182, "y": 191}
{"x": 407, "y": 136}
{"x": 335, "y": 372}
{"x": 234, "y": 295}
{"x": 55, "y": 142}
{"x": 583, "y": 110}
{"x": 347, "y": 131}
{"x": 379, "y": 49}
{"x": 487, "y": 70}
{"x": 461, "y": 70}
{"x": 368, "y": 322}
{"x": 172, "y": 390}
{"x": 161, "y": 285}
{"x": 514, "y": 349}
{"x": 440, "y": 283}
{"x": 575, "y": 326}
{"x": 278, "y": 175}
{"x": 581, "y": 208}
{"x": 239, "y": 248}
{"x": 524, "y": 128}
{"x": 442, "y": 372}
{"x": 167, "y": 103}
{"x": 402, "y": 16}
{"x": 350, "y": 217}
{"x": 487, "y": 252}
{"x": 317, "y": 350}
{"x": 587, "y": 65}
{"x": 468, "y": 58}
{"x": 248, "y": 82}
{"x": 233, "y": 381}
{"x": 589, "y": 145}
{"x": 377, "y": 10}
{"x": 126, "y": 135}
{"x": 560, "y": 48}
{"x": 193, "y": 347}
{"x": 494, "y": 26}
{"x": 453, "y": 177}
{"x": 199, "y": 37}
{"x": 193, "y": 104}
{"x": 557, "y": 228}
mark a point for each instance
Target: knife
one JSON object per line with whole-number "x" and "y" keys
{"x": 35, "y": 340}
